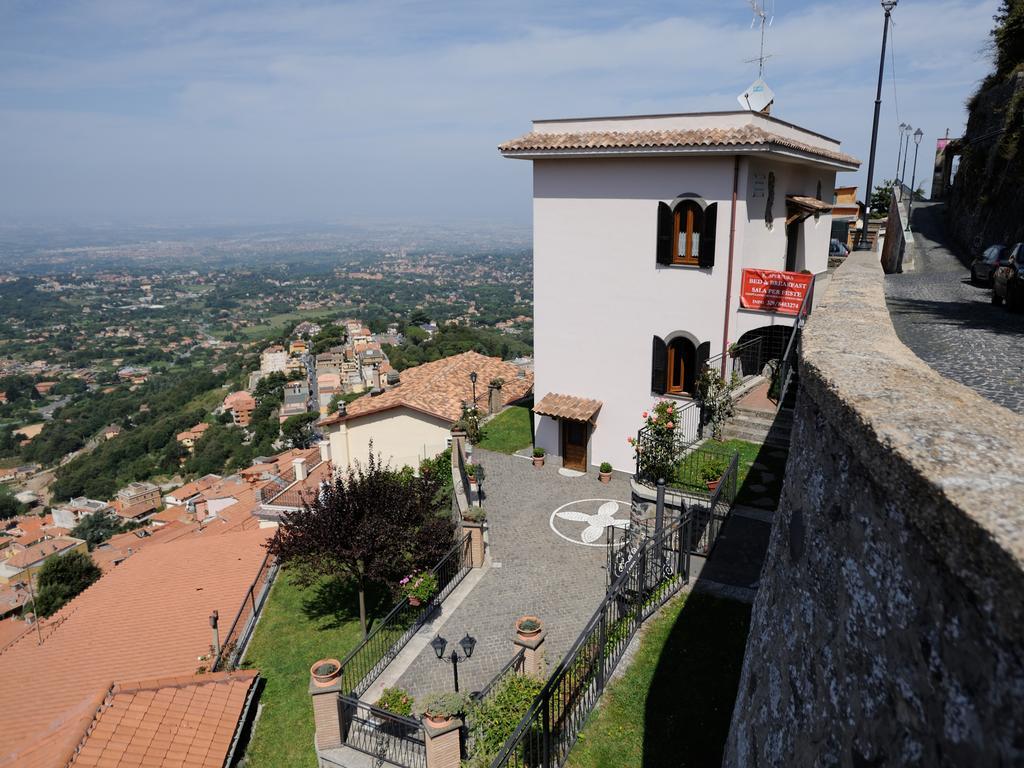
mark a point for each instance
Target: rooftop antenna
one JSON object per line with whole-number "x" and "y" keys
{"x": 765, "y": 19}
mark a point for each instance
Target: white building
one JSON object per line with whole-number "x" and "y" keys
{"x": 273, "y": 359}
{"x": 643, "y": 230}
{"x": 70, "y": 514}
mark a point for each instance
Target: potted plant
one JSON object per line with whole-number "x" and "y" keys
{"x": 397, "y": 701}
{"x": 439, "y": 709}
{"x": 605, "y": 475}
{"x": 325, "y": 671}
{"x": 711, "y": 473}
{"x": 471, "y": 474}
{"x": 528, "y": 626}
{"x": 475, "y": 515}
{"x": 538, "y": 457}
{"x": 419, "y": 587}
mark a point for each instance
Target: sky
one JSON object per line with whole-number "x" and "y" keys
{"x": 184, "y": 112}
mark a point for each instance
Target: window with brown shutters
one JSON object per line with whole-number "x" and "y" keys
{"x": 659, "y": 363}
{"x": 686, "y": 232}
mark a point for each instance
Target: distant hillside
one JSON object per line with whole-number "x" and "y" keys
{"x": 987, "y": 199}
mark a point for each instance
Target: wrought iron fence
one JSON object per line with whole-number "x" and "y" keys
{"x": 685, "y": 465}
{"x": 652, "y": 573}
{"x": 383, "y": 735}
{"x": 234, "y": 642}
{"x": 387, "y": 638}
{"x": 708, "y": 521}
{"x": 658, "y": 451}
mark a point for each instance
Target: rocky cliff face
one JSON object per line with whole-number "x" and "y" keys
{"x": 987, "y": 199}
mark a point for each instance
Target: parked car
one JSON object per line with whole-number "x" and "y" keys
{"x": 1008, "y": 279}
{"x": 983, "y": 266}
{"x": 837, "y": 248}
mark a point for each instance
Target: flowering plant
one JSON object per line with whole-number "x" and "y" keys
{"x": 396, "y": 700}
{"x": 421, "y": 586}
{"x": 658, "y": 453}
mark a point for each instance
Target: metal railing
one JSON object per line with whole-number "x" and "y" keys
{"x": 514, "y": 666}
{"x": 658, "y": 450}
{"x": 385, "y": 736}
{"x": 387, "y": 638}
{"x": 786, "y": 375}
{"x": 235, "y": 641}
{"x": 708, "y": 521}
{"x": 745, "y": 360}
{"x": 653, "y": 573}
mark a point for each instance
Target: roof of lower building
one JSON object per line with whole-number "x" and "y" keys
{"x": 567, "y": 407}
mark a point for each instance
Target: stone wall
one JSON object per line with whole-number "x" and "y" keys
{"x": 889, "y": 625}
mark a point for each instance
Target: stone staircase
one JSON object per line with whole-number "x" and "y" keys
{"x": 757, "y": 426}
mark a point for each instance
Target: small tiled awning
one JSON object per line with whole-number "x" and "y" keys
{"x": 808, "y": 204}
{"x": 567, "y": 407}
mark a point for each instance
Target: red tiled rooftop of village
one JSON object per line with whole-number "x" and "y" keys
{"x": 147, "y": 618}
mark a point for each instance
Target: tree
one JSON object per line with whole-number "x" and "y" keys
{"x": 880, "y": 198}
{"x": 298, "y": 429}
{"x": 10, "y": 506}
{"x": 98, "y": 527}
{"x": 61, "y": 578}
{"x": 373, "y": 524}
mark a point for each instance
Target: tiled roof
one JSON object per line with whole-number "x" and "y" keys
{"x": 147, "y": 618}
{"x": 746, "y": 136}
{"x": 190, "y": 722}
{"x": 194, "y": 488}
{"x": 42, "y": 550}
{"x": 809, "y": 203}
{"x": 567, "y": 407}
{"x": 439, "y": 388}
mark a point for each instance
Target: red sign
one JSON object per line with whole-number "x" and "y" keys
{"x": 770, "y": 290}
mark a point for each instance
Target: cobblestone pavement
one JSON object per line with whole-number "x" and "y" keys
{"x": 951, "y": 324}
{"x": 534, "y": 570}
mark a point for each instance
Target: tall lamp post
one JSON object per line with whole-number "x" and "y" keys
{"x": 903, "y": 135}
{"x": 918, "y": 135}
{"x": 468, "y": 644}
{"x": 472, "y": 378}
{"x": 903, "y": 173}
{"x": 862, "y": 244}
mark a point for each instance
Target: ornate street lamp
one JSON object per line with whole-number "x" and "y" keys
{"x": 918, "y": 135}
{"x": 903, "y": 173}
{"x": 467, "y": 643}
{"x": 862, "y": 244}
{"x": 903, "y": 135}
{"x": 472, "y": 378}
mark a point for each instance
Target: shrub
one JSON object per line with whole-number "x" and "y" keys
{"x": 606, "y": 467}
{"x": 475, "y": 515}
{"x": 421, "y": 586}
{"x": 443, "y": 704}
{"x": 538, "y": 453}
{"x": 61, "y": 579}
{"x": 712, "y": 470}
{"x": 395, "y": 700}
{"x": 493, "y": 719}
{"x": 471, "y": 470}
{"x": 715, "y": 396}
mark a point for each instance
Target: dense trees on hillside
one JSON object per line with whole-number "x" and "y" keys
{"x": 10, "y": 506}
{"x": 451, "y": 340}
{"x": 61, "y": 579}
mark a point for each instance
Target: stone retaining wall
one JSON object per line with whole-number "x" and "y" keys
{"x": 889, "y": 624}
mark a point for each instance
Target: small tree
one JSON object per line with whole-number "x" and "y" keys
{"x": 61, "y": 578}
{"x": 298, "y": 429}
{"x": 97, "y": 528}
{"x": 373, "y": 524}
{"x": 880, "y": 198}
{"x": 715, "y": 396}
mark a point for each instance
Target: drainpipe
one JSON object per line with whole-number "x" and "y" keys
{"x": 732, "y": 246}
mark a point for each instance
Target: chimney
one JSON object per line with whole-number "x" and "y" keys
{"x": 216, "y": 635}
{"x": 394, "y": 379}
{"x": 325, "y": 450}
{"x": 300, "y": 468}
{"x": 376, "y": 377}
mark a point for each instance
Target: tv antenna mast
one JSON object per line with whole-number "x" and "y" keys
{"x": 764, "y": 17}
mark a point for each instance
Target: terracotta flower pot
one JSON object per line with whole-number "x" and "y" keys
{"x": 415, "y": 602}
{"x": 528, "y": 632}
{"x": 438, "y": 721}
{"x": 605, "y": 477}
{"x": 325, "y": 671}
{"x": 538, "y": 461}
{"x": 713, "y": 484}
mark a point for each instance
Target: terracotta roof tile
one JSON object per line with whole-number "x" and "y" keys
{"x": 746, "y": 136}
{"x": 148, "y": 618}
{"x": 567, "y": 407}
{"x": 42, "y": 550}
{"x": 440, "y": 387}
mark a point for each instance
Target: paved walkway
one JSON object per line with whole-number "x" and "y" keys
{"x": 951, "y": 324}
{"x": 534, "y": 569}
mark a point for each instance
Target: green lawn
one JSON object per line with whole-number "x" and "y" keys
{"x": 673, "y": 706}
{"x": 298, "y": 626}
{"x": 508, "y": 431}
{"x": 687, "y": 472}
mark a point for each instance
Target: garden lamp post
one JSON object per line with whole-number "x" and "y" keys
{"x": 467, "y": 643}
{"x": 903, "y": 173}
{"x": 862, "y": 244}
{"x": 472, "y": 378}
{"x": 918, "y": 135}
{"x": 899, "y": 154}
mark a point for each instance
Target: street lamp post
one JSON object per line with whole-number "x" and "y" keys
{"x": 903, "y": 135}
{"x": 862, "y": 245}
{"x": 468, "y": 644}
{"x": 472, "y": 378}
{"x": 918, "y": 135}
{"x": 903, "y": 173}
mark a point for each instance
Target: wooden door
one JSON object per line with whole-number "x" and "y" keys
{"x": 574, "y": 444}
{"x": 792, "y": 238}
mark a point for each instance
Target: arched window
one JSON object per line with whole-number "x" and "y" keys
{"x": 686, "y": 232}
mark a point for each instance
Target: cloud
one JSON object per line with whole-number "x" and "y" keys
{"x": 158, "y": 111}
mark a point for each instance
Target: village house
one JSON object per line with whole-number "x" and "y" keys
{"x": 191, "y": 436}
{"x": 136, "y": 501}
{"x": 190, "y": 491}
{"x": 296, "y": 399}
{"x": 24, "y": 565}
{"x": 412, "y": 418}
{"x": 298, "y": 347}
{"x": 112, "y": 431}
{"x": 273, "y": 358}
{"x": 664, "y": 238}
{"x": 70, "y": 514}
{"x": 241, "y": 404}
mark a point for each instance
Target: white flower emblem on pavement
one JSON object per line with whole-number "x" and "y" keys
{"x": 596, "y": 523}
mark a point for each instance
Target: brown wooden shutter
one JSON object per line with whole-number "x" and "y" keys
{"x": 703, "y": 353}
{"x": 659, "y": 363}
{"x": 664, "y": 252}
{"x": 706, "y": 257}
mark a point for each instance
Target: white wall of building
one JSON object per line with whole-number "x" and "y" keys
{"x": 402, "y": 436}
{"x": 600, "y": 296}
